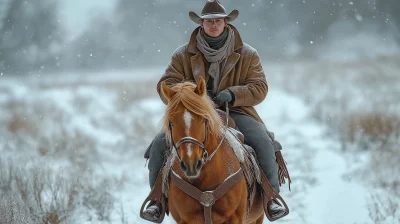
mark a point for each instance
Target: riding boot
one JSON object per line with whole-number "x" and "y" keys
{"x": 255, "y": 135}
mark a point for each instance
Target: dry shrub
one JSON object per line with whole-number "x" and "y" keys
{"x": 96, "y": 197}
{"x": 44, "y": 127}
{"x": 374, "y": 126}
{"x": 76, "y": 146}
{"x": 383, "y": 209}
{"x": 18, "y": 122}
{"x": 380, "y": 134}
{"x": 31, "y": 196}
{"x": 37, "y": 196}
{"x": 385, "y": 164}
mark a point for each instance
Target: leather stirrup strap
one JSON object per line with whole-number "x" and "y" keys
{"x": 156, "y": 195}
{"x": 207, "y": 198}
{"x": 269, "y": 194}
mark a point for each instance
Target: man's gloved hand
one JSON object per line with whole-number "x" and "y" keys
{"x": 224, "y": 96}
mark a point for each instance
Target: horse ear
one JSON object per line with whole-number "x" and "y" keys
{"x": 166, "y": 91}
{"x": 201, "y": 86}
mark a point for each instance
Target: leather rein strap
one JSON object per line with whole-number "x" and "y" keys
{"x": 207, "y": 198}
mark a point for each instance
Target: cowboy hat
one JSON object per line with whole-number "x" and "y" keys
{"x": 213, "y": 9}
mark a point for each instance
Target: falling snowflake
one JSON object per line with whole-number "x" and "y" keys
{"x": 359, "y": 17}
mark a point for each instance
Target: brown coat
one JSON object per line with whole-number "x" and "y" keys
{"x": 243, "y": 73}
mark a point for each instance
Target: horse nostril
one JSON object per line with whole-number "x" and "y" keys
{"x": 183, "y": 166}
{"x": 199, "y": 164}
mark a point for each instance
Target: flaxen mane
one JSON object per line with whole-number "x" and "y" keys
{"x": 200, "y": 105}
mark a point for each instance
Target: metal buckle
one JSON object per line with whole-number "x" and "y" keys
{"x": 205, "y": 156}
{"x": 207, "y": 198}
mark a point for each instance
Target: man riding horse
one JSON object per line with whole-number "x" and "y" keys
{"x": 233, "y": 73}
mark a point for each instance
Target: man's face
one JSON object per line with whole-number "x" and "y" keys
{"x": 214, "y": 27}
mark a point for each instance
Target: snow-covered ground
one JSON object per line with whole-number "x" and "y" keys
{"x": 98, "y": 126}
{"x": 316, "y": 168}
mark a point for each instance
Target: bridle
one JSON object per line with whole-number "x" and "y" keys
{"x": 189, "y": 139}
{"x": 206, "y": 198}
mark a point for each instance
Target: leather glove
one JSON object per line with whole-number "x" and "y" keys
{"x": 224, "y": 96}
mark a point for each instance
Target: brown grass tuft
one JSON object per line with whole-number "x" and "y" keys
{"x": 19, "y": 123}
{"x": 375, "y": 126}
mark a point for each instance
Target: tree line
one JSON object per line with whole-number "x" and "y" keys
{"x": 143, "y": 33}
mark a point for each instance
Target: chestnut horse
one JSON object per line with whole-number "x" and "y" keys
{"x": 205, "y": 161}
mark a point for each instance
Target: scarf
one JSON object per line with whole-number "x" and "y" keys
{"x": 216, "y": 57}
{"x": 216, "y": 42}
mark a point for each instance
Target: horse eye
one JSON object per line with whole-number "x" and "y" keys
{"x": 171, "y": 124}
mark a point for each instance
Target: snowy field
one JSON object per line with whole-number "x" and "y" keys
{"x": 71, "y": 145}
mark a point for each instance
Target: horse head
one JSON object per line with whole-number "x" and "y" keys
{"x": 190, "y": 123}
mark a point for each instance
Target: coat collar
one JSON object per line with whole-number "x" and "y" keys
{"x": 192, "y": 45}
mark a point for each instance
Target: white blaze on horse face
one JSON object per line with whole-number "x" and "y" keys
{"x": 187, "y": 116}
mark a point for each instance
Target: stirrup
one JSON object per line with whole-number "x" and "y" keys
{"x": 281, "y": 212}
{"x": 156, "y": 195}
{"x": 154, "y": 210}
{"x": 268, "y": 194}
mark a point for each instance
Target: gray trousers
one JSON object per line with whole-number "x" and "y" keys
{"x": 255, "y": 135}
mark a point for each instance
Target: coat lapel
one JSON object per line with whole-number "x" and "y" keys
{"x": 230, "y": 63}
{"x": 198, "y": 69}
